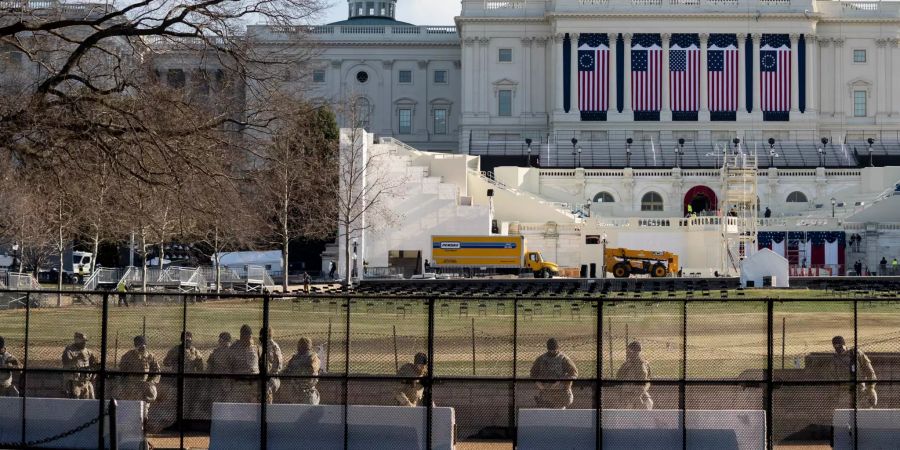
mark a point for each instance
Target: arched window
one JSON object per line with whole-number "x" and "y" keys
{"x": 797, "y": 197}
{"x": 652, "y": 202}
{"x": 604, "y": 197}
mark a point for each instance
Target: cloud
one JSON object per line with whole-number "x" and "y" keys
{"x": 419, "y": 12}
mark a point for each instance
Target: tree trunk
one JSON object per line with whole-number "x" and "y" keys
{"x": 161, "y": 253}
{"x": 60, "y": 277}
{"x": 348, "y": 275}
{"x": 144, "y": 269}
{"x": 284, "y": 267}
{"x": 96, "y": 251}
{"x": 216, "y": 266}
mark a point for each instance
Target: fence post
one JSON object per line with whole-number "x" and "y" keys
{"x": 512, "y": 387}
{"x": 113, "y": 439}
{"x": 682, "y": 388}
{"x": 101, "y": 378}
{"x": 429, "y": 395}
{"x": 598, "y": 393}
{"x": 179, "y": 382}
{"x": 347, "y": 376}
{"x": 264, "y": 374}
{"x": 855, "y": 372}
{"x": 770, "y": 372}
{"x": 23, "y": 378}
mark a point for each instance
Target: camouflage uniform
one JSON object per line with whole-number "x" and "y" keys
{"x": 303, "y": 391}
{"x": 79, "y": 384}
{"x": 411, "y": 392}
{"x": 218, "y": 363}
{"x": 634, "y": 396}
{"x": 7, "y": 388}
{"x": 554, "y": 365}
{"x": 193, "y": 363}
{"x": 243, "y": 359}
{"x": 274, "y": 364}
{"x": 139, "y": 388}
{"x": 844, "y": 365}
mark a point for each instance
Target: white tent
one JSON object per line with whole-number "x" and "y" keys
{"x": 765, "y": 263}
{"x": 271, "y": 260}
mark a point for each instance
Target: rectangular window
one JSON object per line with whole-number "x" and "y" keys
{"x": 859, "y": 56}
{"x": 505, "y": 55}
{"x": 505, "y": 103}
{"x": 440, "y": 121}
{"x": 440, "y": 77}
{"x": 405, "y": 121}
{"x": 405, "y": 76}
{"x": 175, "y": 78}
{"x": 859, "y": 103}
{"x": 319, "y": 76}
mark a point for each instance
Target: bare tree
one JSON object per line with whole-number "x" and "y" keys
{"x": 365, "y": 183}
{"x": 297, "y": 174}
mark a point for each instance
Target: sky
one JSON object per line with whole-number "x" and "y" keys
{"x": 417, "y": 12}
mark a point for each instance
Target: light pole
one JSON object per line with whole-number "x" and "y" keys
{"x": 833, "y": 204}
{"x": 528, "y": 144}
{"x": 579, "y": 156}
{"x": 737, "y": 143}
{"x": 603, "y": 243}
{"x": 771, "y": 152}
{"x": 679, "y": 152}
{"x": 871, "y": 142}
{"x": 574, "y": 151}
{"x": 15, "y": 249}
{"x": 628, "y": 143}
{"x": 822, "y": 152}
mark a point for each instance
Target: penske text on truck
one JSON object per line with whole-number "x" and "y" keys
{"x": 499, "y": 253}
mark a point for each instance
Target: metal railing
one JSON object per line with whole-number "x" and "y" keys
{"x": 708, "y": 352}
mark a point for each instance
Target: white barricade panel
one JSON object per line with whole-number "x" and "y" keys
{"x": 47, "y": 417}
{"x": 540, "y": 429}
{"x": 878, "y": 428}
{"x": 236, "y": 426}
{"x": 10, "y": 419}
{"x": 392, "y": 427}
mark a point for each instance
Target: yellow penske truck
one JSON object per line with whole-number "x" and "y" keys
{"x": 503, "y": 254}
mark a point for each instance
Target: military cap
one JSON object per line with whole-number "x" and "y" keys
{"x": 421, "y": 358}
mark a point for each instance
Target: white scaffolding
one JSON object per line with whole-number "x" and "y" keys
{"x": 740, "y": 208}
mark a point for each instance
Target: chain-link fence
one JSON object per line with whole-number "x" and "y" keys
{"x": 237, "y": 371}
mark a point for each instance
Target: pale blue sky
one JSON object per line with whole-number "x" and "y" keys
{"x": 418, "y": 12}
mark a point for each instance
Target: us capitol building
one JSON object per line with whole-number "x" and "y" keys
{"x": 710, "y": 128}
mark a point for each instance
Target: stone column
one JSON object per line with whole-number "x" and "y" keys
{"x": 704, "y": 78}
{"x": 613, "y": 81}
{"x": 469, "y": 81}
{"x": 627, "y": 88}
{"x": 665, "y": 110}
{"x": 826, "y": 92}
{"x": 795, "y": 73}
{"x": 839, "y": 91}
{"x": 812, "y": 75}
{"x": 573, "y": 74}
{"x": 893, "y": 44}
{"x": 483, "y": 77}
{"x": 881, "y": 80}
{"x": 742, "y": 73}
{"x": 526, "y": 76}
{"x": 557, "y": 74}
{"x": 757, "y": 111}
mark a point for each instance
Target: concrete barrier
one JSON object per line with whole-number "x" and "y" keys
{"x": 544, "y": 429}
{"x": 237, "y": 426}
{"x": 877, "y": 428}
{"x": 47, "y": 417}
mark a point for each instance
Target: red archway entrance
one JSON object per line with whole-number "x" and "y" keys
{"x": 700, "y": 198}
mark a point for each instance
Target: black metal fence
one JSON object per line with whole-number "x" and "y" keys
{"x": 704, "y": 354}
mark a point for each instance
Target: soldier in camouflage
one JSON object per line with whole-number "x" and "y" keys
{"x": 411, "y": 391}
{"x": 305, "y": 363}
{"x": 849, "y": 363}
{"x": 243, "y": 359}
{"x": 193, "y": 388}
{"x": 217, "y": 364}
{"x": 554, "y": 365}
{"x": 7, "y": 361}
{"x": 77, "y": 357}
{"x": 635, "y": 367}
{"x": 274, "y": 363}
{"x": 132, "y": 387}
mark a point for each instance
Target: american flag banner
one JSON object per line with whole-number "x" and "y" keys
{"x": 722, "y": 60}
{"x": 646, "y": 72}
{"x": 775, "y": 73}
{"x": 684, "y": 72}
{"x": 593, "y": 72}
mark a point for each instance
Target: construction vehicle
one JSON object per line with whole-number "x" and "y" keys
{"x": 623, "y": 262}
{"x": 502, "y": 254}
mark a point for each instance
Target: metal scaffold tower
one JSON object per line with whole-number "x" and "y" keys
{"x": 741, "y": 210}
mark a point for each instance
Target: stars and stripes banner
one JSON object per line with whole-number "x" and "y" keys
{"x": 684, "y": 76}
{"x": 593, "y": 76}
{"x": 684, "y": 73}
{"x": 775, "y": 76}
{"x": 723, "y": 65}
{"x": 646, "y": 75}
